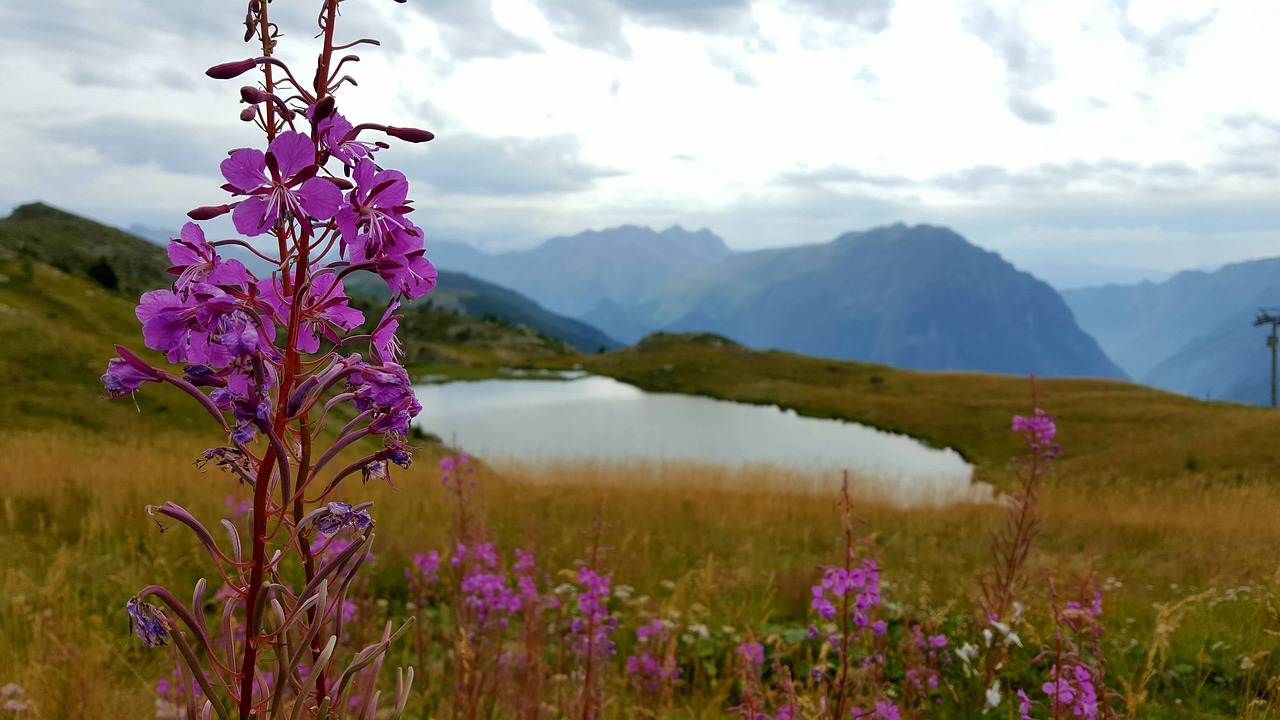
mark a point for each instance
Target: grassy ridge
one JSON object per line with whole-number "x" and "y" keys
{"x": 1110, "y": 430}
{"x": 59, "y": 331}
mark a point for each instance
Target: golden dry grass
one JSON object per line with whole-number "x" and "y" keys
{"x": 744, "y": 543}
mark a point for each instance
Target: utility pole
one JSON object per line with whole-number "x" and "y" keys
{"x": 1270, "y": 316}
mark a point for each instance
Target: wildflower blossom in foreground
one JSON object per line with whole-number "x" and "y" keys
{"x": 339, "y": 516}
{"x": 122, "y": 378}
{"x": 863, "y": 582}
{"x": 1024, "y": 705}
{"x": 651, "y": 669}
{"x": 250, "y": 350}
{"x": 592, "y": 629}
{"x": 149, "y": 624}
{"x": 751, "y": 652}
{"x": 1039, "y": 430}
{"x": 292, "y": 188}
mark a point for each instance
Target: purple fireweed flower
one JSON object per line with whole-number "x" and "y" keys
{"x": 249, "y": 405}
{"x": 375, "y": 470}
{"x": 1024, "y": 705}
{"x": 652, "y": 629}
{"x": 885, "y": 710}
{"x": 291, "y": 190}
{"x": 181, "y": 325}
{"x": 396, "y": 422}
{"x": 325, "y": 305}
{"x": 593, "y": 627}
{"x": 751, "y": 652}
{"x": 839, "y": 582}
{"x": 384, "y": 387}
{"x": 1039, "y": 431}
{"x": 489, "y": 596}
{"x": 122, "y": 378}
{"x": 411, "y": 275}
{"x": 385, "y": 345}
{"x": 149, "y": 624}
{"x": 1059, "y": 691}
{"x": 372, "y": 222}
{"x": 238, "y": 333}
{"x": 195, "y": 260}
{"x": 426, "y": 566}
{"x": 339, "y": 516}
{"x": 338, "y": 139}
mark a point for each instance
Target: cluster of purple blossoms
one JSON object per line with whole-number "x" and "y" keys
{"x": 923, "y": 654}
{"x": 652, "y": 669}
{"x": 423, "y": 575}
{"x": 1070, "y": 687}
{"x": 591, "y": 630}
{"x": 883, "y": 710}
{"x": 751, "y": 653}
{"x": 269, "y": 353}
{"x": 1039, "y": 431}
{"x": 862, "y": 582}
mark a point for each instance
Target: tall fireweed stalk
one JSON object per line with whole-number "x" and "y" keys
{"x": 272, "y": 360}
{"x": 1000, "y": 611}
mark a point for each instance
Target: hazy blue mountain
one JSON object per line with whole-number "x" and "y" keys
{"x": 571, "y": 275}
{"x": 1232, "y": 363}
{"x": 1140, "y": 326}
{"x": 915, "y": 297}
{"x": 1192, "y": 333}
{"x": 460, "y": 292}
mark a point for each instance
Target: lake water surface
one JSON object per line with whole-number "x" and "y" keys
{"x": 600, "y": 418}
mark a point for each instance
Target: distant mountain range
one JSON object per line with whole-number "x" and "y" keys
{"x": 576, "y": 274}
{"x": 917, "y": 297}
{"x": 1191, "y": 334}
{"x": 914, "y": 297}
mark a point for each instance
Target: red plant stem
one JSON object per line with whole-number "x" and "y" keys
{"x": 288, "y": 369}
{"x": 588, "y": 694}
{"x": 844, "y": 599}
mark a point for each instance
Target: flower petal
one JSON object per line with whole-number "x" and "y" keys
{"x": 292, "y": 151}
{"x": 245, "y": 169}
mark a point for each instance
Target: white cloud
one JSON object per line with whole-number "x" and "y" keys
{"x": 769, "y": 121}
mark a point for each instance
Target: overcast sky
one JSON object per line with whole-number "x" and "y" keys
{"x": 1070, "y": 136}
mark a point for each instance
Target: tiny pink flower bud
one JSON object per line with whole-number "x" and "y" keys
{"x": 208, "y": 212}
{"x": 226, "y": 71}
{"x": 413, "y": 135}
{"x": 248, "y": 114}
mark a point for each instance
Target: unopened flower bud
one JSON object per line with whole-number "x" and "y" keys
{"x": 248, "y": 114}
{"x": 323, "y": 108}
{"x": 253, "y": 96}
{"x": 226, "y": 71}
{"x": 413, "y": 135}
{"x": 208, "y": 212}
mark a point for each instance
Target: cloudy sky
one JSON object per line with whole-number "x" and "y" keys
{"x": 1085, "y": 140}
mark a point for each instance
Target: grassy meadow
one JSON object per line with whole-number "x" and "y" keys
{"x": 1173, "y": 501}
{"x": 724, "y": 548}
